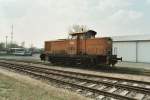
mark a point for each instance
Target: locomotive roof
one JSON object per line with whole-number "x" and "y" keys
{"x": 86, "y": 32}
{"x": 59, "y": 40}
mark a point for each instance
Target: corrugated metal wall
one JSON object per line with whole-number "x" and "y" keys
{"x": 143, "y": 52}
{"x": 133, "y": 51}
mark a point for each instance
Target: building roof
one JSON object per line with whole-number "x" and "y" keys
{"x": 132, "y": 38}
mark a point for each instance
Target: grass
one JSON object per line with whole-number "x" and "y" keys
{"x": 12, "y": 89}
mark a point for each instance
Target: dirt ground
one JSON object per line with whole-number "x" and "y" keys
{"x": 26, "y": 88}
{"x": 145, "y": 66}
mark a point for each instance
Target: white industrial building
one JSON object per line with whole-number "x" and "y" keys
{"x": 132, "y": 48}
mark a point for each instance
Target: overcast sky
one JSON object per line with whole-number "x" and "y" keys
{"x": 38, "y": 20}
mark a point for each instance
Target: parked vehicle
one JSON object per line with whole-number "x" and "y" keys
{"x": 20, "y": 52}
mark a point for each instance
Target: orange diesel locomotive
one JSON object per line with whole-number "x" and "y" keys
{"x": 81, "y": 49}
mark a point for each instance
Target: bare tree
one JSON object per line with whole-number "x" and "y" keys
{"x": 77, "y": 29}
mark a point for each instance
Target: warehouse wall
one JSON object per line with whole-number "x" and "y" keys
{"x": 133, "y": 51}
{"x": 143, "y": 52}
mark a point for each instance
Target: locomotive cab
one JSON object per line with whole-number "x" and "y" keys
{"x": 83, "y": 35}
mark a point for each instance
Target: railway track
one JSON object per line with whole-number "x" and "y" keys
{"x": 95, "y": 86}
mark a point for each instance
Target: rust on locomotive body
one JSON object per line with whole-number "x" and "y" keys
{"x": 82, "y": 48}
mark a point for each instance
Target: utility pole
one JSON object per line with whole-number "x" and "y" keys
{"x": 6, "y": 41}
{"x": 12, "y": 35}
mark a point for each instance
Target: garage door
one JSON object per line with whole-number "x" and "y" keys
{"x": 143, "y": 52}
{"x": 126, "y": 50}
